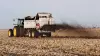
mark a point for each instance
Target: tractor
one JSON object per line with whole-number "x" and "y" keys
{"x": 40, "y": 25}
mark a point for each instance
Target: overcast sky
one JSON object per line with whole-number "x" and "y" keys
{"x": 81, "y": 11}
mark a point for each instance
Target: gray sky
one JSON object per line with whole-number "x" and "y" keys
{"x": 81, "y": 11}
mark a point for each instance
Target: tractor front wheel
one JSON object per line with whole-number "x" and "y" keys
{"x": 10, "y": 33}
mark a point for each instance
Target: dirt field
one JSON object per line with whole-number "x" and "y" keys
{"x": 24, "y": 46}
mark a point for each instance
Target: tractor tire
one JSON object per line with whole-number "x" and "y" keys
{"x": 30, "y": 33}
{"x": 21, "y": 32}
{"x": 16, "y": 31}
{"x": 33, "y": 34}
{"x": 10, "y": 33}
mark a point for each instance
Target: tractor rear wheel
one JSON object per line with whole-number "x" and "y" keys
{"x": 21, "y": 31}
{"x": 16, "y": 31}
{"x": 10, "y": 33}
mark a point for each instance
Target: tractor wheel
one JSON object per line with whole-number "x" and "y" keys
{"x": 33, "y": 34}
{"x": 16, "y": 31}
{"x": 10, "y": 33}
{"x": 21, "y": 31}
{"x": 30, "y": 33}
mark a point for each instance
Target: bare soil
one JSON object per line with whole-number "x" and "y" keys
{"x": 24, "y": 46}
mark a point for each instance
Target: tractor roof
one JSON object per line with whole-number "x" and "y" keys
{"x": 43, "y": 14}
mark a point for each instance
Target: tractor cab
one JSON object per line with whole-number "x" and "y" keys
{"x": 40, "y": 24}
{"x": 19, "y": 22}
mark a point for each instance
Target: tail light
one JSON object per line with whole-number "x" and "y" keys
{"x": 37, "y": 25}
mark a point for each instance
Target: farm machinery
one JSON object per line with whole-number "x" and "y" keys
{"x": 40, "y": 25}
